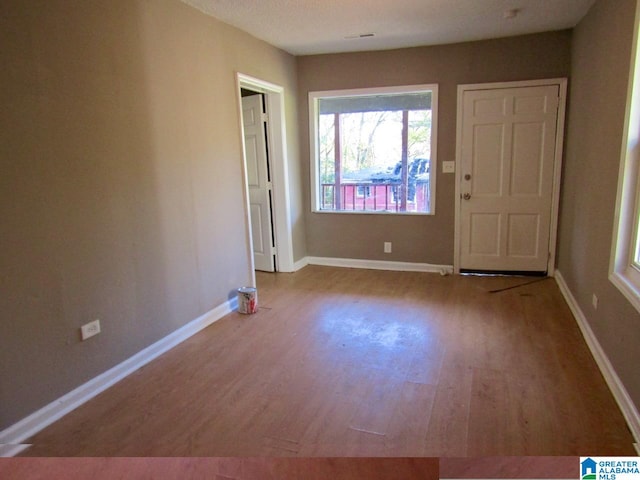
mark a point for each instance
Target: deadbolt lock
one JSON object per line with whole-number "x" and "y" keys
{"x": 466, "y": 196}
{"x": 467, "y": 177}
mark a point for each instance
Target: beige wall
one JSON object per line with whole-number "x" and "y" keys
{"x": 600, "y": 71}
{"x": 121, "y": 192}
{"x": 426, "y": 239}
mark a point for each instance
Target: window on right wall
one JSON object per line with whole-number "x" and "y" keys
{"x": 625, "y": 256}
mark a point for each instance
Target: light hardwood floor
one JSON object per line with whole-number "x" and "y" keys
{"x": 343, "y": 362}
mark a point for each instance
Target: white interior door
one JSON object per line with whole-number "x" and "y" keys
{"x": 506, "y": 178}
{"x": 259, "y": 182}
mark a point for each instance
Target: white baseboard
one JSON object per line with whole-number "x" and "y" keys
{"x": 378, "y": 265}
{"x": 616, "y": 386}
{"x": 12, "y": 438}
{"x": 300, "y": 264}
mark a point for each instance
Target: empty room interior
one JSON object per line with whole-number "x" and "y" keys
{"x": 433, "y": 204}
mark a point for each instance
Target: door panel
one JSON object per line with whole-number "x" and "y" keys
{"x": 258, "y": 182}
{"x": 488, "y": 160}
{"x": 507, "y": 166}
{"x": 253, "y": 173}
{"x": 528, "y": 159}
{"x": 484, "y": 238}
{"x": 523, "y": 233}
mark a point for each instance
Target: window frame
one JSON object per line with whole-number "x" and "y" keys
{"x": 624, "y": 271}
{"x": 314, "y": 162}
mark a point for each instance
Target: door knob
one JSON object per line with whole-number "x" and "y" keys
{"x": 466, "y": 196}
{"x": 467, "y": 177}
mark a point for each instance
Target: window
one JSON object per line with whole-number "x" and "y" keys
{"x": 374, "y": 150}
{"x": 625, "y": 258}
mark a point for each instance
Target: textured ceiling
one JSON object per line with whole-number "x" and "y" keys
{"x": 304, "y": 27}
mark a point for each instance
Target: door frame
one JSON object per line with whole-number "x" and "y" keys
{"x": 557, "y": 168}
{"x": 276, "y": 137}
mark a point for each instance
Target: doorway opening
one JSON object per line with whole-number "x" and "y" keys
{"x": 273, "y": 237}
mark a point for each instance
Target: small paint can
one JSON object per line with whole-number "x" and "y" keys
{"x": 247, "y": 300}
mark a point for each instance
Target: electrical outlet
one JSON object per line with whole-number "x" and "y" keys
{"x": 387, "y": 247}
{"x": 90, "y": 329}
{"x": 594, "y": 301}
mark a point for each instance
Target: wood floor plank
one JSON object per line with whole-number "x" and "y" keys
{"x": 408, "y": 430}
{"x": 377, "y": 405}
{"x": 341, "y": 362}
{"x": 496, "y": 407}
{"x": 447, "y": 433}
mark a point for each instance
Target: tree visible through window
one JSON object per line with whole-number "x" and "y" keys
{"x": 374, "y": 152}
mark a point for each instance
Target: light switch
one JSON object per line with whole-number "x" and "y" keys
{"x": 448, "y": 167}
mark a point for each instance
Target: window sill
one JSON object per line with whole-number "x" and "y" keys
{"x": 630, "y": 290}
{"x": 379, "y": 212}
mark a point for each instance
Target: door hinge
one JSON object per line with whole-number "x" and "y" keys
{"x": 265, "y": 117}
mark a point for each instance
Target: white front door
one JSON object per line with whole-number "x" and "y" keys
{"x": 259, "y": 182}
{"x": 506, "y": 178}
